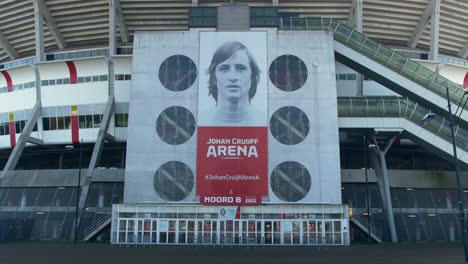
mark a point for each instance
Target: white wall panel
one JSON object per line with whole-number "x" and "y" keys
{"x": 17, "y": 100}
{"x": 21, "y": 75}
{"x": 53, "y": 70}
{"x": 91, "y": 67}
{"x": 75, "y": 94}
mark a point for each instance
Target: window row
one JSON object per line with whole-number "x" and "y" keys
{"x": 85, "y": 79}
{"x": 64, "y": 122}
{"x": 346, "y": 77}
{"x": 19, "y": 126}
{"x": 123, "y": 77}
{"x": 19, "y": 86}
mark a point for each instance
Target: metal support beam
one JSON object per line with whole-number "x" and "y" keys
{"x": 54, "y": 30}
{"x": 355, "y": 21}
{"x": 351, "y": 14}
{"x": 22, "y": 140}
{"x": 112, "y": 29}
{"x": 39, "y": 32}
{"x": 428, "y": 11}
{"x": 358, "y": 15}
{"x": 355, "y": 15}
{"x": 386, "y": 186}
{"x": 121, "y": 21}
{"x": 6, "y": 46}
{"x": 435, "y": 25}
{"x": 26, "y": 133}
{"x": 464, "y": 51}
{"x": 99, "y": 145}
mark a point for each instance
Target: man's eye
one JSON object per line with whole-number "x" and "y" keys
{"x": 241, "y": 68}
{"x": 224, "y": 68}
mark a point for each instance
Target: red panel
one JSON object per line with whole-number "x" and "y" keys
{"x": 75, "y": 130}
{"x": 232, "y": 165}
{"x": 8, "y": 80}
{"x": 11, "y": 126}
{"x": 465, "y": 81}
{"x": 72, "y": 70}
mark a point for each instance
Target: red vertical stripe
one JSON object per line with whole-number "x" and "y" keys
{"x": 8, "y": 80}
{"x": 465, "y": 81}
{"x": 75, "y": 129}
{"x": 11, "y": 126}
{"x": 72, "y": 70}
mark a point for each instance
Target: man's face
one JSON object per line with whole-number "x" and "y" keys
{"x": 233, "y": 77}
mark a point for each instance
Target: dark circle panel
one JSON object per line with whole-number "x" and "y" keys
{"x": 289, "y": 125}
{"x": 290, "y": 181}
{"x": 173, "y": 181}
{"x": 288, "y": 73}
{"x": 177, "y": 73}
{"x": 175, "y": 125}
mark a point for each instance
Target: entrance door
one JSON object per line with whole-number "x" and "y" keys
{"x": 191, "y": 231}
{"x": 268, "y": 232}
{"x": 182, "y": 232}
{"x": 226, "y": 232}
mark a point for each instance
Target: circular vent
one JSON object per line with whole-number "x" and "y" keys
{"x": 177, "y": 73}
{"x": 289, "y": 125}
{"x": 288, "y": 73}
{"x": 173, "y": 181}
{"x": 175, "y": 125}
{"x": 290, "y": 181}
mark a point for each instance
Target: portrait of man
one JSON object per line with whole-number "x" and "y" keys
{"x": 233, "y": 78}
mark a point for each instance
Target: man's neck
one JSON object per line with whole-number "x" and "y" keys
{"x": 234, "y": 111}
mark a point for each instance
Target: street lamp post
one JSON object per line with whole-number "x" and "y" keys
{"x": 367, "y": 192}
{"x": 457, "y": 174}
{"x": 78, "y": 190}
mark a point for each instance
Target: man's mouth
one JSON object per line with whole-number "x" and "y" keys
{"x": 233, "y": 86}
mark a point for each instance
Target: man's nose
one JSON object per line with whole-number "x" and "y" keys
{"x": 233, "y": 76}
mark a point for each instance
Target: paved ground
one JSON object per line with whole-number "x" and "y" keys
{"x": 87, "y": 253}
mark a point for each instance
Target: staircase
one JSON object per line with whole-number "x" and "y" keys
{"x": 361, "y": 222}
{"x": 97, "y": 227}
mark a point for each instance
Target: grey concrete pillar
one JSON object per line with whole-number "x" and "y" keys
{"x": 39, "y": 32}
{"x": 112, "y": 29}
{"x": 435, "y": 25}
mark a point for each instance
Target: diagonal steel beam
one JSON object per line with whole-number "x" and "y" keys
{"x": 121, "y": 21}
{"x": 99, "y": 145}
{"x": 428, "y": 11}
{"x": 54, "y": 30}
{"x": 6, "y": 46}
{"x": 26, "y": 133}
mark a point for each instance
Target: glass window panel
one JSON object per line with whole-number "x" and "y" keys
{"x": 60, "y": 123}
{"x": 53, "y": 123}
{"x": 89, "y": 121}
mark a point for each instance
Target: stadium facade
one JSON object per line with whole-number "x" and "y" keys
{"x": 144, "y": 136}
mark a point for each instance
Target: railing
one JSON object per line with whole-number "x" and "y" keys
{"x": 373, "y": 229}
{"x": 392, "y": 106}
{"x": 379, "y": 53}
{"x": 99, "y": 221}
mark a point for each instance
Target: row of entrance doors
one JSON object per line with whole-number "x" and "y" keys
{"x": 231, "y": 232}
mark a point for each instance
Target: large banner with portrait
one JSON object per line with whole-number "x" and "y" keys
{"x": 232, "y": 147}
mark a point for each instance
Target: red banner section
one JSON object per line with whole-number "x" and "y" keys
{"x": 232, "y": 165}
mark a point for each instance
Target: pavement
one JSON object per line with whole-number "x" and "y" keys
{"x": 87, "y": 253}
